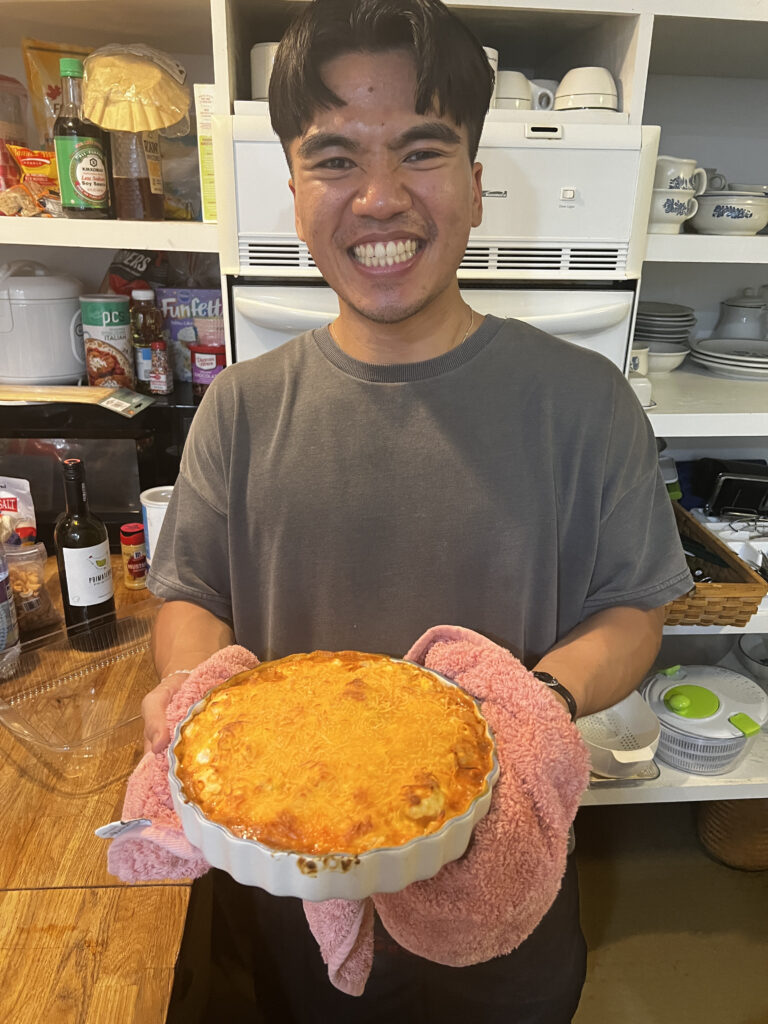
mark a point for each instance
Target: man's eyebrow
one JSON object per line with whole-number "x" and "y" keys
{"x": 325, "y": 140}
{"x": 434, "y": 131}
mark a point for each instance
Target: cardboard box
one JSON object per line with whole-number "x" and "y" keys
{"x": 189, "y": 313}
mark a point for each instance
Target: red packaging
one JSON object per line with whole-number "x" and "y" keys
{"x": 207, "y": 361}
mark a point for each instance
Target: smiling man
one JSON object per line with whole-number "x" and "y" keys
{"x": 413, "y": 463}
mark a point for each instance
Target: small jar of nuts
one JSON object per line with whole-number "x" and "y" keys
{"x": 34, "y": 608}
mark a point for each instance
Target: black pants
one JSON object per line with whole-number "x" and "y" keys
{"x": 249, "y": 958}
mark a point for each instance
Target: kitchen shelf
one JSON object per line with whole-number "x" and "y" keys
{"x": 181, "y": 235}
{"x": 691, "y": 402}
{"x": 707, "y": 248}
{"x": 747, "y": 780}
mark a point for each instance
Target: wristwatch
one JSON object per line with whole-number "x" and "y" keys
{"x": 558, "y": 687}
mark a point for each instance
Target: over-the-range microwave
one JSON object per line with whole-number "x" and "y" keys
{"x": 563, "y": 200}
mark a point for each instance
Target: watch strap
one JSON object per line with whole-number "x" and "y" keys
{"x": 557, "y": 686}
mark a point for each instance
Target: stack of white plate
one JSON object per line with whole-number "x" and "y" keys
{"x": 735, "y": 358}
{"x": 663, "y": 321}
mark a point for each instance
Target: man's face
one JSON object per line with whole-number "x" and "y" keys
{"x": 384, "y": 197}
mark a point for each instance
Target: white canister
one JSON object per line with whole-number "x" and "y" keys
{"x": 41, "y": 334}
{"x": 262, "y": 59}
{"x": 154, "y": 504}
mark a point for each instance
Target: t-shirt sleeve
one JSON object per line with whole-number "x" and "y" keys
{"x": 191, "y": 558}
{"x": 640, "y": 560}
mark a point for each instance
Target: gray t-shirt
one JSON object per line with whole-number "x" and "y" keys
{"x": 510, "y": 485}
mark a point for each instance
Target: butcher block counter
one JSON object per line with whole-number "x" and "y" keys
{"x": 76, "y": 944}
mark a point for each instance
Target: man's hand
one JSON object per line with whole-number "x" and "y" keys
{"x": 184, "y": 635}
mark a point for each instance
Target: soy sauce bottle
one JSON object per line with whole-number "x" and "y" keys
{"x": 81, "y": 160}
{"x": 85, "y": 568}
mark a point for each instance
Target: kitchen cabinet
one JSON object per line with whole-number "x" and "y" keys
{"x": 696, "y": 69}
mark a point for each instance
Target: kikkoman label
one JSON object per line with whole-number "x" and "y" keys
{"x": 82, "y": 172}
{"x": 89, "y": 574}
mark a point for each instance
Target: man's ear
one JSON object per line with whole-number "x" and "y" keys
{"x": 477, "y": 194}
{"x": 296, "y": 217}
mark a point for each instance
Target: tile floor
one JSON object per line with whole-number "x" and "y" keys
{"x": 674, "y": 937}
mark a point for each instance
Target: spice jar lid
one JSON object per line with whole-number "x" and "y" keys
{"x": 142, "y": 294}
{"x": 132, "y": 533}
{"x": 157, "y": 343}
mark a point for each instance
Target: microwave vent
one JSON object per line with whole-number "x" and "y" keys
{"x": 286, "y": 255}
{"x": 556, "y": 258}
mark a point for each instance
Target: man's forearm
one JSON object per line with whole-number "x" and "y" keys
{"x": 605, "y": 657}
{"x": 184, "y": 635}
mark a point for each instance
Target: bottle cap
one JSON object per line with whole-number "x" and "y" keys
{"x": 70, "y": 67}
{"x": 132, "y": 533}
{"x": 142, "y": 294}
{"x": 159, "y": 344}
{"x": 73, "y": 468}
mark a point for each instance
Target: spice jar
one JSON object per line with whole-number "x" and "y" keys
{"x": 160, "y": 374}
{"x": 134, "y": 552}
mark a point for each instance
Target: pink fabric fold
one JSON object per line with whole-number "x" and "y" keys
{"x": 161, "y": 850}
{"x": 487, "y": 902}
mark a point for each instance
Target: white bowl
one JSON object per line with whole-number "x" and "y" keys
{"x": 513, "y": 85}
{"x": 585, "y": 101}
{"x": 663, "y": 357}
{"x": 331, "y": 876}
{"x": 587, "y": 81}
{"x": 621, "y": 738}
{"x": 730, "y": 213}
{"x": 755, "y": 188}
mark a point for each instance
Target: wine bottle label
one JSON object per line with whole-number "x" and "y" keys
{"x": 89, "y": 574}
{"x": 82, "y": 172}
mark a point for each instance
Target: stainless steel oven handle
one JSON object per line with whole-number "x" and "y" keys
{"x": 281, "y": 318}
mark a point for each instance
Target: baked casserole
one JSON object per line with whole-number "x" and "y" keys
{"x": 335, "y": 753}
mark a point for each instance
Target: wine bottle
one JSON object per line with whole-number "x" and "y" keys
{"x": 85, "y": 568}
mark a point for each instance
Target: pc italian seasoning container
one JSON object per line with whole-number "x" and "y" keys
{"x": 107, "y": 340}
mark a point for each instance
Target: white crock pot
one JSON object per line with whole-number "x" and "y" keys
{"x": 41, "y": 333}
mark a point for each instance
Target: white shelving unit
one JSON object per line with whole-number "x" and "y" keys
{"x": 697, "y": 69}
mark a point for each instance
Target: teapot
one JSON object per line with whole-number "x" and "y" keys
{"x": 743, "y": 316}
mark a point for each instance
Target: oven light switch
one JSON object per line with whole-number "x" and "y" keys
{"x": 567, "y": 193}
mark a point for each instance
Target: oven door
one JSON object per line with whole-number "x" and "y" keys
{"x": 265, "y": 316}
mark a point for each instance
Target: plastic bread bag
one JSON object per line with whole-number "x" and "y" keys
{"x": 34, "y": 607}
{"x": 18, "y": 525}
{"x": 41, "y": 63}
{"x": 135, "y": 88}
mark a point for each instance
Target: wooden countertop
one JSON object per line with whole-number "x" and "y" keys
{"x": 76, "y": 944}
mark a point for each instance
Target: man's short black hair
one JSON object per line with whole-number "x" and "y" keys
{"x": 453, "y": 76}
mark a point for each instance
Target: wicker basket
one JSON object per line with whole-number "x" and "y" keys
{"x": 729, "y": 601}
{"x": 735, "y": 832}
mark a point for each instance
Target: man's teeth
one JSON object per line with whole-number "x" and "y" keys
{"x": 385, "y": 254}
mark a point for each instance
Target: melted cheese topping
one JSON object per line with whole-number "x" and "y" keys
{"x": 329, "y": 752}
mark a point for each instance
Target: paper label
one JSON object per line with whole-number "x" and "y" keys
{"x": 89, "y": 574}
{"x": 154, "y": 166}
{"x": 82, "y": 172}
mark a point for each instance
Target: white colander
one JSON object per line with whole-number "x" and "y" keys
{"x": 620, "y": 738}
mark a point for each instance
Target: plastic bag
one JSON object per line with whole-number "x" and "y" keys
{"x": 135, "y": 268}
{"x": 18, "y": 525}
{"x": 41, "y": 62}
{"x": 13, "y": 102}
{"x": 37, "y": 194}
{"x": 34, "y": 607}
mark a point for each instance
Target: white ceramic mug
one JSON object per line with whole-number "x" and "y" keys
{"x": 670, "y": 208}
{"x": 638, "y": 360}
{"x": 673, "y": 172}
{"x": 154, "y": 504}
{"x": 543, "y": 92}
{"x": 262, "y": 59}
{"x": 493, "y": 60}
{"x": 716, "y": 181}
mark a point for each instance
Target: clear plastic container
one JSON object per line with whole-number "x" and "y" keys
{"x": 79, "y": 712}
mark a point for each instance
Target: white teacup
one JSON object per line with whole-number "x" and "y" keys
{"x": 638, "y": 359}
{"x": 670, "y": 208}
{"x": 674, "y": 172}
{"x": 513, "y": 85}
{"x": 716, "y": 181}
{"x": 542, "y": 96}
{"x": 587, "y": 81}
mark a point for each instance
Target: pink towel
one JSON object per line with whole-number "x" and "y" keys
{"x": 149, "y": 853}
{"x": 487, "y": 902}
{"x": 475, "y": 908}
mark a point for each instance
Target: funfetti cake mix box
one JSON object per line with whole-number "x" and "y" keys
{"x": 191, "y": 315}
